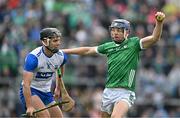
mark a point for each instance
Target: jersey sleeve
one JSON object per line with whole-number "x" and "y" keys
{"x": 101, "y": 49}
{"x": 137, "y": 43}
{"x": 65, "y": 58}
{"x": 31, "y": 63}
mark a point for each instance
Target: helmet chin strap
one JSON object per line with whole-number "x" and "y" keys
{"x": 47, "y": 46}
{"x": 52, "y": 50}
{"x": 125, "y": 34}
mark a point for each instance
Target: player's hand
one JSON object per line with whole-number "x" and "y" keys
{"x": 56, "y": 93}
{"x": 160, "y": 16}
{"x": 30, "y": 111}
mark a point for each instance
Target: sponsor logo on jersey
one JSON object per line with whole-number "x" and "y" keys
{"x": 43, "y": 75}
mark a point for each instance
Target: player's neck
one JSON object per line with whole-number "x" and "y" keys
{"x": 47, "y": 52}
{"x": 119, "y": 42}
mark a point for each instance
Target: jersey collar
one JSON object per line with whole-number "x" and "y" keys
{"x": 118, "y": 44}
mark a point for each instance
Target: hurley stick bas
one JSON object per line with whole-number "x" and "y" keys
{"x": 64, "y": 94}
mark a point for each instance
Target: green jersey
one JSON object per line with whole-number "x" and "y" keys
{"x": 122, "y": 62}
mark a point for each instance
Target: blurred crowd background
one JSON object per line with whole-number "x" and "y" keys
{"x": 85, "y": 23}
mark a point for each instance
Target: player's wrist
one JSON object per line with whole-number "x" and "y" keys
{"x": 57, "y": 88}
{"x": 29, "y": 106}
{"x": 159, "y": 22}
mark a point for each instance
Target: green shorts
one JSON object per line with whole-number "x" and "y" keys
{"x": 113, "y": 95}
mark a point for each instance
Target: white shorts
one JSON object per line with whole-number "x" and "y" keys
{"x": 113, "y": 95}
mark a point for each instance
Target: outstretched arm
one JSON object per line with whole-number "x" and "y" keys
{"x": 81, "y": 50}
{"x": 152, "y": 39}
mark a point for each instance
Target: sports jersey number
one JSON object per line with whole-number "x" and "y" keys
{"x": 131, "y": 77}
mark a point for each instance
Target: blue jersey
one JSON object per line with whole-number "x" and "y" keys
{"x": 43, "y": 67}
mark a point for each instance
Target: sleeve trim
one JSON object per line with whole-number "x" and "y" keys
{"x": 141, "y": 46}
{"x": 65, "y": 58}
{"x": 96, "y": 49}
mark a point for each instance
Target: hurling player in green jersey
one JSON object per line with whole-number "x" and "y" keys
{"x": 122, "y": 58}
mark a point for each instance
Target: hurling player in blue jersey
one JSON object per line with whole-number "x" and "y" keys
{"x": 40, "y": 68}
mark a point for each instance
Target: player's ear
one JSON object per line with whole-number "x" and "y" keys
{"x": 46, "y": 41}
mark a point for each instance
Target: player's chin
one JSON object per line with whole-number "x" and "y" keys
{"x": 57, "y": 47}
{"x": 117, "y": 39}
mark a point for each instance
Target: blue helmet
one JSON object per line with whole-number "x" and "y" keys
{"x": 120, "y": 23}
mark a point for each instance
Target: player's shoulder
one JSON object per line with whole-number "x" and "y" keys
{"x": 135, "y": 42}
{"x": 60, "y": 53}
{"x": 135, "y": 38}
{"x": 37, "y": 51}
{"x": 107, "y": 44}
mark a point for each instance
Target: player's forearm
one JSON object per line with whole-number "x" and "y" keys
{"x": 157, "y": 31}
{"x": 27, "y": 95}
{"x": 78, "y": 51}
{"x": 58, "y": 84}
{"x": 59, "y": 73}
